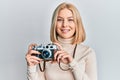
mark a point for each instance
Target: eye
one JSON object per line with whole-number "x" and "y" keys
{"x": 60, "y": 19}
{"x": 70, "y": 19}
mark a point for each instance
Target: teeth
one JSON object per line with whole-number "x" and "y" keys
{"x": 65, "y": 30}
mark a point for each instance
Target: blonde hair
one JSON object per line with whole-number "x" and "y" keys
{"x": 79, "y": 34}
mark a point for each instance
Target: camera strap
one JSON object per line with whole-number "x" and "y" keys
{"x": 44, "y": 65}
{"x": 69, "y": 68}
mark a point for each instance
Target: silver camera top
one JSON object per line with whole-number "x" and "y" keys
{"x": 48, "y": 46}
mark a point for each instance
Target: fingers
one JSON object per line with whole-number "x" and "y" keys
{"x": 30, "y": 52}
{"x": 57, "y": 54}
{"x": 32, "y": 60}
{"x": 31, "y": 46}
{"x": 60, "y": 56}
{"x": 63, "y": 56}
{"x": 59, "y": 46}
{"x": 68, "y": 57}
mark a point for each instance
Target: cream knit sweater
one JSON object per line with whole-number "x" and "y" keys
{"x": 83, "y": 66}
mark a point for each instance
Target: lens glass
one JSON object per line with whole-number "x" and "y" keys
{"x": 46, "y": 54}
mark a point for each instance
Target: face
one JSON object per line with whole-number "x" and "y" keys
{"x": 65, "y": 26}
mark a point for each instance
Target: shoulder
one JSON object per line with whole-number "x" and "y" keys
{"x": 84, "y": 51}
{"x": 83, "y": 47}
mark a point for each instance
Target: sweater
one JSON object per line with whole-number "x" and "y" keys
{"x": 83, "y": 66}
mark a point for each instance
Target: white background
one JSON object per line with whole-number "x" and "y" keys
{"x": 28, "y": 21}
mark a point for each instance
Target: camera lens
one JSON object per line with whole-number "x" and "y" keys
{"x": 46, "y": 54}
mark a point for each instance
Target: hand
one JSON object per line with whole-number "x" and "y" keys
{"x": 62, "y": 55}
{"x": 32, "y": 60}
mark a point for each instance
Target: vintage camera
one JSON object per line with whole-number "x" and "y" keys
{"x": 47, "y": 51}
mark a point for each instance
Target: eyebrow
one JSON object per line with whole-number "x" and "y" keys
{"x": 67, "y": 17}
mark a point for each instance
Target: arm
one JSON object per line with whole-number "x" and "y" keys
{"x": 33, "y": 73}
{"x": 85, "y": 68}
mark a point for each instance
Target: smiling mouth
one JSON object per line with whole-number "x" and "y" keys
{"x": 65, "y": 30}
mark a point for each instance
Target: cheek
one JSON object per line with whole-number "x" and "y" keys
{"x": 59, "y": 25}
{"x": 73, "y": 27}
{"x": 57, "y": 29}
{"x": 73, "y": 24}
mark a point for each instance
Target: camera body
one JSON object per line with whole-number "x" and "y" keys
{"x": 47, "y": 51}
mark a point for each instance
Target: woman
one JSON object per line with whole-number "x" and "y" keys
{"x": 67, "y": 33}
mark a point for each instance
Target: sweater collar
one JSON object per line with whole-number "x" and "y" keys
{"x": 65, "y": 41}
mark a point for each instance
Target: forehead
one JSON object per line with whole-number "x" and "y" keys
{"x": 65, "y": 13}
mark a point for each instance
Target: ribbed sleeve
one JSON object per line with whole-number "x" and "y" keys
{"x": 85, "y": 67}
{"x": 34, "y": 74}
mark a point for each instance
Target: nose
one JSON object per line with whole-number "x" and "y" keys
{"x": 65, "y": 23}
